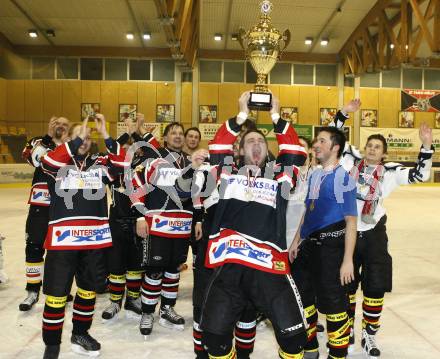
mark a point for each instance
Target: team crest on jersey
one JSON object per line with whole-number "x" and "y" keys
{"x": 69, "y": 236}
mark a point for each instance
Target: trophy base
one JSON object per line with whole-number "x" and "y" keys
{"x": 260, "y": 101}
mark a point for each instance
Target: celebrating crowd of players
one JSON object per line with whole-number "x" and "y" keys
{"x": 275, "y": 237}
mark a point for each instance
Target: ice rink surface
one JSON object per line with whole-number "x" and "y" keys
{"x": 410, "y": 323}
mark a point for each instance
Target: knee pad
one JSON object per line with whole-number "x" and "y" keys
{"x": 218, "y": 346}
{"x": 291, "y": 345}
{"x": 34, "y": 252}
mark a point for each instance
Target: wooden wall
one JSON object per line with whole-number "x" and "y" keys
{"x": 30, "y": 103}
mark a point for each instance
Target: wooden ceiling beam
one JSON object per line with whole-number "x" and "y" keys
{"x": 437, "y": 26}
{"x": 423, "y": 24}
{"x": 417, "y": 42}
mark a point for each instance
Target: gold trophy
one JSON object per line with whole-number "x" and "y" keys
{"x": 263, "y": 45}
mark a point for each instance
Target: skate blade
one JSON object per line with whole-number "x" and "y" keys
{"x": 132, "y": 315}
{"x": 166, "y": 324}
{"x": 78, "y": 349}
{"x": 147, "y": 337}
{"x": 351, "y": 349}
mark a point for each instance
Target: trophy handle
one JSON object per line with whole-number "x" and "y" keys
{"x": 286, "y": 39}
{"x": 241, "y": 37}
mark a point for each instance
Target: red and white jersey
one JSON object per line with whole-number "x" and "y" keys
{"x": 250, "y": 216}
{"x": 77, "y": 218}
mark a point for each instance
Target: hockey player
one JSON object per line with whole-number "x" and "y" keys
{"x": 165, "y": 222}
{"x": 248, "y": 237}
{"x": 124, "y": 257}
{"x": 78, "y": 231}
{"x": 39, "y": 201}
{"x": 192, "y": 140}
{"x": 325, "y": 261}
{"x": 375, "y": 181}
{"x": 245, "y": 328}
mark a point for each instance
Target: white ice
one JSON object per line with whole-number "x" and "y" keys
{"x": 410, "y": 322}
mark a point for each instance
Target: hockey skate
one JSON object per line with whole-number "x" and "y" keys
{"x": 146, "y": 324}
{"x": 170, "y": 319}
{"x": 261, "y": 321}
{"x": 133, "y": 308}
{"x": 85, "y": 344}
{"x": 111, "y": 311}
{"x": 51, "y": 352}
{"x": 369, "y": 345}
{"x": 29, "y": 301}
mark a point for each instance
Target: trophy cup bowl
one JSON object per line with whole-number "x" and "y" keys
{"x": 263, "y": 45}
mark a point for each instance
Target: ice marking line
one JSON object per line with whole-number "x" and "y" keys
{"x": 414, "y": 329}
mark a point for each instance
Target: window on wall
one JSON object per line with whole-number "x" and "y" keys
{"x": 251, "y": 75}
{"x": 412, "y": 78}
{"x": 187, "y": 76}
{"x": 432, "y": 79}
{"x": 391, "y": 78}
{"x": 116, "y": 69}
{"x": 349, "y": 81}
{"x": 210, "y": 71}
{"x": 139, "y": 69}
{"x": 303, "y": 74}
{"x": 91, "y": 69}
{"x": 43, "y": 68}
{"x": 163, "y": 70}
{"x": 281, "y": 74}
{"x": 326, "y": 75}
{"x": 370, "y": 79}
{"x": 233, "y": 71}
{"x": 67, "y": 68}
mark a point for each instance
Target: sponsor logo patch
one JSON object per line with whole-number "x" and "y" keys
{"x": 169, "y": 225}
{"x": 80, "y": 236}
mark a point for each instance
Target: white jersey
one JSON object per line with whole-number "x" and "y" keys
{"x": 394, "y": 175}
{"x": 296, "y": 206}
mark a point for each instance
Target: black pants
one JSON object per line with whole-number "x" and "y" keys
{"x": 36, "y": 229}
{"x": 61, "y": 266}
{"x": 126, "y": 252}
{"x": 316, "y": 270}
{"x": 373, "y": 265}
{"x": 234, "y": 285}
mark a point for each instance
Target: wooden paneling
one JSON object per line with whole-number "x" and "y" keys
{"x": 308, "y": 112}
{"x": 110, "y": 101}
{"x": 186, "y": 105}
{"x": 228, "y": 101}
{"x": 128, "y": 92}
{"x": 388, "y": 106}
{"x": 52, "y": 99}
{"x": 71, "y": 100}
{"x": 3, "y": 99}
{"x": 166, "y": 93}
{"x": 15, "y": 103}
{"x": 34, "y": 101}
{"x": 147, "y": 100}
{"x": 91, "y": 91}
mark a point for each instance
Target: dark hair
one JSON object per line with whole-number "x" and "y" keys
{"x": 193, "y": 129}
{"x": 247, "y": 133}
{"x": 306, "y": 140}
{"x": 380, "y": 138}
{"x": 170, "y": 126}
{"x": 248, "y": 126}
{"x": 337, "y": 137}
